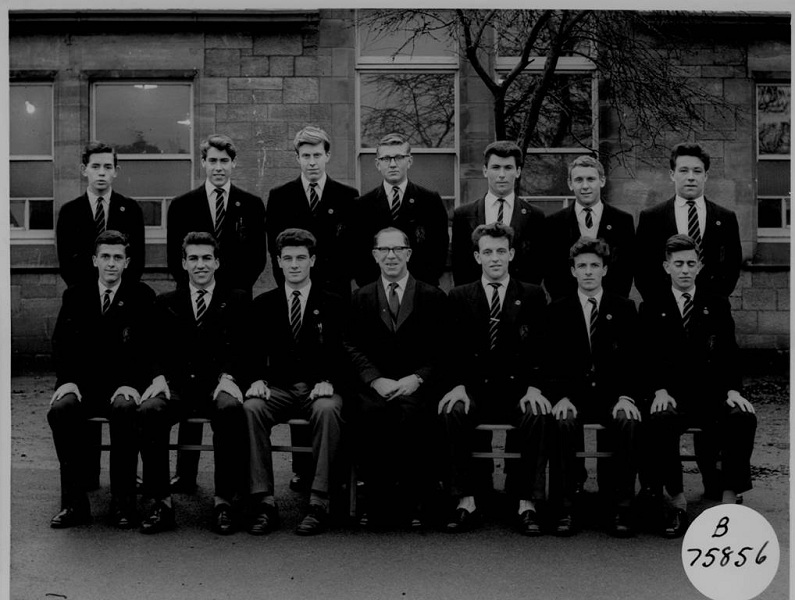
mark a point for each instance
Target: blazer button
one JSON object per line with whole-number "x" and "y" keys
{"x": 593, "y": 384}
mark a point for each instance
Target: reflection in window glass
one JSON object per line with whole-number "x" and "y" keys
{"x": 546, "y": 175}
{"x": 433, "y": 171}
{"x": 31, "y": 120}
{"x": 144, "y": 118}
{"x": 153, "y": 179}
{"x": 153, "y": 212}
{"x": 17, "y": 210}
{"x": 773, "y": 104}
{"x": 31, "y": 179}
{"x": 374, "y": 41}
{"x": 40, "y": 214}
{"x": 514, "y": 26}
{"x": 421, "y": 106}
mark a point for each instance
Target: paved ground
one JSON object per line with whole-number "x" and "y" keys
{"x": 97, "y": 562}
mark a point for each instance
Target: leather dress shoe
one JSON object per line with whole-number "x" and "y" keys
{"x": 622, "y": 525}
{"x": 265, "y": 520}
{"x": 676, "y": 523}
{"x": 299, "y": 483}
{"x": 462, "y": 520}
{"x": 160, "y": 518}
{"x": 223, "y": 520}
{"x": 565, "y": 525}
{"x": 123, "y": 514}
{"x": 182, "y": 485}
{"x": 314, "y": 522}
{"x": 528, "y": 523}
{"x": 70, "y": 516}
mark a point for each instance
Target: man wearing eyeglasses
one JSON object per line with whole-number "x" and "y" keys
{"x": 400, "y": 203}
{"x": 397, "y": 338}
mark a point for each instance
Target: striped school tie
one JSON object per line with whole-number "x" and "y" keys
{"x": 494, "y": 315}
{"x": 99, "y": 216}
{"x": 220, "y": 212}
{"x": 594, "y": 317}
{"x": 395, "y": 203}
{"x": 313, "y": 198}
{"x": 693, "y": 228}
{"x": 201, "y": 306}
{"x": 687, "y": 311}
{"x": 295, "y": 314}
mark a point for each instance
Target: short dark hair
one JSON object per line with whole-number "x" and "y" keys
{"x": 504, "y": 149}
{"x": 589, "y": 245}
{"x": 689, "y": 149}
{"x": 111, "y": 237}
{"x": 311, "y": 135}
{"x": 220, "y": 142}
{"x": 296, "y": 237}
{"x": 495, "y": 230}
{"x": 199, "y": 238}
{"x": 393, "y": 139}
{"x": 586, "y": 160}
{"x": 97, "y": 147}
{"x": 679, "y": 243}
{"x": 390, "y": 230}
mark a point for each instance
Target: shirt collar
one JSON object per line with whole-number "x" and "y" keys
{"x": 288, "y": 291}
{"x": 584, "y": 298}
{"x": 678, "y": 294}
{"x": 388, "y": 188}
{"x": 321, "y": 183}
{"x": 682, "y": 202}
{"x": 596, "y": 209}
{"x": 113, "y": 289}
{"x": 93, "y": 197}
{"x": 491, "y": 199}
{"x": 209, "y": 289}
{"x": 487, "y": 282}
{"x": 210, "y": 189}
{"x": 401, "y": 283}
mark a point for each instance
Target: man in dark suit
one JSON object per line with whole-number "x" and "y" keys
{"x": 297, "y": 368}
{"x": 588, "y": 216}
{"x": 99, "y": 347}
{"x": 693, "y": 375}
{"x": 236, "y": 219}
{"x": 713, "y": 227}
{"x": 399, "y": 203}
{"x": 397, "y": 339}
{"x": 197, "y": 351}
{"x": 98, "y": 209}
{"x": 590, "y": 352}
{"x": 502, "y": 167}
{"x": 494, "y": 366}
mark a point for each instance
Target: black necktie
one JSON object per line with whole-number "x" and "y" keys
{"x": 295, "y": 314}
{"x": 687, "y": 311}
{"x": 99, "y": 216}
{"x": 588, "y": 217}
{"x": 106, "y": 301}
{"x": 494, "y": 315}
{"x": 693, "y": 228}
{"x": 201, "y": 306}
{"x": 594, "y": 317}
{"x": 220, "y": 212}
{"x": 313, "y": 198}
{"x": 395, "y": 202}
{"x": 501, "y": 210}
{"x": 394, "y": 301}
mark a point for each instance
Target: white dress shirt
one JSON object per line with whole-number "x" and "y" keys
{"x": 493, "y": 208}
{"x": 681, "y": 209}
{"x": 401, "y": 288}
{"x": 596, "y": 214}
{"x": 680, "y": 301}
{"x": 486, "y": 283}
{"x": 388, "y": 189}
{"x": 302, "y": 298}
{"x": 319, "y": 185}
{"x": 211, "y": 197}
{"x": 194, "y": 295}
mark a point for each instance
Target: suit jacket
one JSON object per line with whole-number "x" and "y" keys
{"x": 416, "y": 346}
{"x": 193, "y": 357}
{"x": 591, "y": 375}
{"x": 75, "y": 235}
{"x": 514, "y": 363}
{"x": 288, "y": 207}
{"x": 720, "y": 242}
{"x": 527, "y": 222}
{"x": 100, "y": 352}
{"x": 422, "y": 217}
{"x": 242, "y": 244}
{"x": 616, "y": 227}
{"x": 698, "y": 367}
{"x": 275, "y": 356}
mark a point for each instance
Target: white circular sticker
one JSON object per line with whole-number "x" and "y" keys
{"x": 730, "y": 552}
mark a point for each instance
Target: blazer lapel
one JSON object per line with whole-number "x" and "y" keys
{"x": 511, "y": 306}
{"x": 407, "y": 305}
{"x": 574, "y": 226}
{"x": 480, "y": 214}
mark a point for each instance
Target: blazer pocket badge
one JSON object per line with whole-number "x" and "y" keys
{"x": 419, "y": 234}
{"x": 125, "y": 335}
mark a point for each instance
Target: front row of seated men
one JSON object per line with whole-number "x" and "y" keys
{"x": 402, "y": 369}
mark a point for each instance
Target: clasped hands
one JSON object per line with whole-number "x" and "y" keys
{"x": 389, "y": 388}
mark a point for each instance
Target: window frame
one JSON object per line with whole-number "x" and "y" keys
{"x": 779, "y": 235}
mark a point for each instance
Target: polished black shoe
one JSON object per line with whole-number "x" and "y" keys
{"x": 462, "y": 520}
{"x": 314, "y": 522}
{"x": 182, "y": 485}
{"x": 70, "y": 516}
{"x": 564, "y": 527}
{"x": 622, "y": 525}
{"x": 528, "y": 523}
{"x": 223, "y": 520}
{"x": 265, "y": 520}
{"x": 160, "y": 518}
{"x": 123, "y": 514}
{"x": 299, "y": 483}
{"x": 676, "y": 523}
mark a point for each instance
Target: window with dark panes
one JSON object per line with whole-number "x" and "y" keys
{"x": 31, "y": 157}
{"x": 773, "y": 121}
{"x": 150, "y": 124}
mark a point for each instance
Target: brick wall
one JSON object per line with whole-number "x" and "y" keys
{"x": 761, "y": 308}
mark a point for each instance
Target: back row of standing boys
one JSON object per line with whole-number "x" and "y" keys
{"x": 414, "y": 368}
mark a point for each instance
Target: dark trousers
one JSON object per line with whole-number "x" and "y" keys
{"x": 565, "y": 469}
{"x": 530, "y": 439}
{"x": 230, "y": 439}
{"x": 325, "y": 420}
{"x": 74, "y": 444}
{"x": 728, "y": 437}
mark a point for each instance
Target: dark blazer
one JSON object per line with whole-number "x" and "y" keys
{"x": 721, "y": 245}
{"x": 242, "y": 245}
{"x": 75, "y": 235}
{"x": 416, "y": 346}
{"x": 422, "y": 217}
{"x": 193, "y": 357}
{"x": 274, "y": 355}
{"x": 515, "y": 359}
{"x": 696, "y": 368}
{"x": 100, "y": 352}
{"x": 289, "y": 207}
{"x": 616, "y": 227}
{"x": 593, "y": 379}
{"x": 527, "y": 222}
